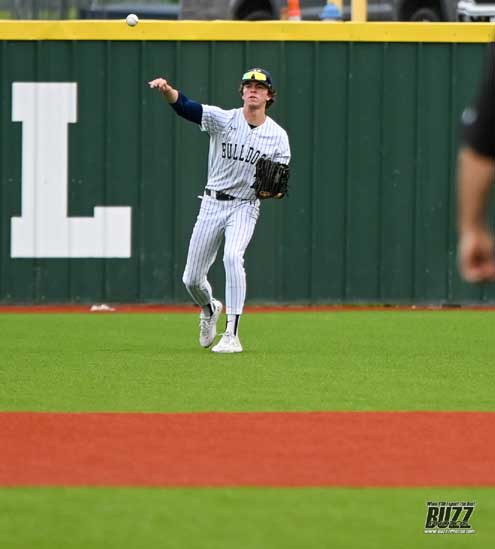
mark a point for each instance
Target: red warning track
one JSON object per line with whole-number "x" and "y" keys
{"x": 248, "y": 449}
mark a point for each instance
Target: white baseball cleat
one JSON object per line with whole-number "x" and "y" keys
{"x": 228, "y": 344}
{"x": 208, "y": 324}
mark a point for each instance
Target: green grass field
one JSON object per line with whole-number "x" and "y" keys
{"x": 360, "y": 360}
{"x": 292, "y": 361}
{"x": 246, "y": 518}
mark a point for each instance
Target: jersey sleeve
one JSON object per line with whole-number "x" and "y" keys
{"x": 283, "y": 150}
{"x": 214, "y": 119}
{"x": 478, "y": 120}
{"x": 188, "y": 109}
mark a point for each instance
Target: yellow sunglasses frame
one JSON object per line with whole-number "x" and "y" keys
{"x": 254, "y": 75}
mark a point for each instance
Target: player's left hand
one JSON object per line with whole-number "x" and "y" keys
{"x": 476, "y": 256}
{"x": 271, "y": 179}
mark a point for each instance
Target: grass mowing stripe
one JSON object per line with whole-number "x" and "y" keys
{"x": 245, "y": 518}
{"x": 397, "y": 360}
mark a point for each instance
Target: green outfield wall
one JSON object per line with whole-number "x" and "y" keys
{"x": 99, "y": 179}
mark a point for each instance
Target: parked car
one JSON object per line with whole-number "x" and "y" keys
{"x": 477, "y": 11}
{"x": 378, "y": 10}
{"x": 257, "y": 10}
{"x": 425, "y": 10}
{"x": 154, "y": 10}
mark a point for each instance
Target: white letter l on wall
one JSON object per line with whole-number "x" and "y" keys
{"x": 44, "y": 229}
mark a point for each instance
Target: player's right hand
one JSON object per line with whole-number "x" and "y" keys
{"x": 161, "y": 84}
{"x": 170, "y": 93}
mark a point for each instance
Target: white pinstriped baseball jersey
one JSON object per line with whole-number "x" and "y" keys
{"x": 235, "y": 148}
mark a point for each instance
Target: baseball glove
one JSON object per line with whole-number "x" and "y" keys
{"x": 271, "y": 179}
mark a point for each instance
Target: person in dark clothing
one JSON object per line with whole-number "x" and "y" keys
{"x": 476, "y": 175}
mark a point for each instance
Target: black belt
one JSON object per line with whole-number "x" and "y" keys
{"x": 219, "y": 195}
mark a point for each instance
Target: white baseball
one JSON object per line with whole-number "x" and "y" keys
{"x": 132, "y": 20}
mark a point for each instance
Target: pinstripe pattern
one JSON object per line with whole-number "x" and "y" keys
{"x": 234, "y": 150}
{"x": 217, "y": 219}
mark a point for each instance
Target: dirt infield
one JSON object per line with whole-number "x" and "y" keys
{"x": 248, "y": 449}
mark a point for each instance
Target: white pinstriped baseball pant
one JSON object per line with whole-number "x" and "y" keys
{"x": 235, "y": 221}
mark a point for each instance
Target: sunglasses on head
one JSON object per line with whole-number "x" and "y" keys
{"x": 254, "y": 75}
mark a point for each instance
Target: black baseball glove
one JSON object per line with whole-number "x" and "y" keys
{"x": 271, "y": 179}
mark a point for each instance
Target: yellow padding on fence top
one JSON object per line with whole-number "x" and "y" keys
{"x": 291, "y": 31}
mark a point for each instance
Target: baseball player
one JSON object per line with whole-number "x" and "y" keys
{"x": 476, "y": 249}
{"x": 229, "y": 209}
